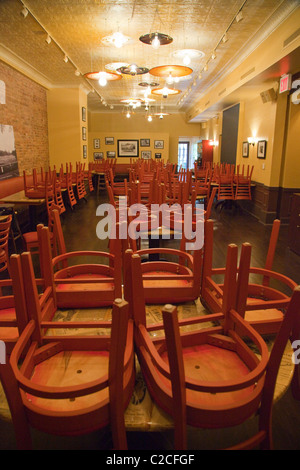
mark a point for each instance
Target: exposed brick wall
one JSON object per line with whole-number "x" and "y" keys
{"x": 26, "y": 111}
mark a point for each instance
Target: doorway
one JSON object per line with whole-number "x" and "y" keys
{"x": 183, "y": 155}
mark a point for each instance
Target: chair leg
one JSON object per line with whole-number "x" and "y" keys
{"x": 11, "y": 389}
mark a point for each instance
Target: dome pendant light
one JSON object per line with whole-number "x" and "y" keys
{"x": 156, "y": 39}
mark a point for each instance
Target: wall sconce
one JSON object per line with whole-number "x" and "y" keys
{"x": 213, "y": 143}
{"x": 252, "y": 140}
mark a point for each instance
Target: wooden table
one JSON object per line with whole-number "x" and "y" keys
{"x": 20, "y": 199}
{"x": 142, "y": 414}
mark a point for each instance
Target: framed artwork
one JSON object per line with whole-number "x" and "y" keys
{"x": 145, "y": 142}
{"x": 158, "y": 155}
{"x": 96, "y": 143}
{"x": 146, "y": 154}
{"x": 261, "y": 148}
{"x": 84, "y": 151}
{"x": 109, "y": 140}
{"x": 245, "y": 153}
{"x": 8, "y": 155}
{"x": 84, "y": 133}
{"x": 111, "y": 154}
{"x": 83, "y": 114}
{"x": 158, "y": 144}
{"x": 98, "y": 155}
{"x": 128, "y": 148}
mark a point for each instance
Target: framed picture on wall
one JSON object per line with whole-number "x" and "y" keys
{"x": 109, "y": 141}
{"x": 145, "y": 142}
{"x": 96, "y": 143}
{"x": 158, "y": 144}
{"x": 98, "y": 155}
{"x": 261, "y": 148}
{"x": 111, "y": 154}
{"x": 84, "y": 133}
{"x": 245, "y": 152}
{"x": 146, "y": 154}
{"x": 83, "y": 114}
{"x": 128, "y": 148}
{"x": 158, "y": 155}
{"x": 84, "y": 151}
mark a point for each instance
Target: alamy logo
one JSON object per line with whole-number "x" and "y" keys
{"x": 138, "y": 221}
{"x": 2, "y": 352}
{"x": 296, "y": 353}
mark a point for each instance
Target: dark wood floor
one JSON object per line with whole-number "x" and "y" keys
{"x": 231, "y": 226}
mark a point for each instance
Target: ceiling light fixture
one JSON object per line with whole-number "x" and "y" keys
{"x": 113, "y": 66}
{"x": 187, "y": 55}
{"x": 161, "y": 115}
{"x": 48, "y": 39}
{"x": 117, "y": 40}
{"x": 147, "y": 85}
{"x": 134, "y": 102}
{"x": 110, "y": 76}
{"x": 133, "y": 69}
{"x": 102, "y": 79}
{"x": 213, "y": 56}
{"x": 225, "y": 38}
{"x": 156, "y": 39}
{"x": 165, "y": 91}
{"x": 77, "y": 73}
{"x": 239, "y": 17}
{"x": 66, "y": 59}
{"x": 24, "y": 12}
{"x": 168, "y": 71}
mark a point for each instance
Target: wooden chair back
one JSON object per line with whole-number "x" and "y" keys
{"x": 262, "y": 399}
{"x": 5, "y": 226}
{"x": 13, "y": 308}
{"x": 46, "y": 401}
{"x": 81, "y": 284}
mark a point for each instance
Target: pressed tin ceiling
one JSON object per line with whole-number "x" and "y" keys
{"x": 77, "y": 29}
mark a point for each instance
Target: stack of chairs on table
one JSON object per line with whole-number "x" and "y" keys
{"x": 38, "y": 396}
{"x": 208, "y": 377}
{"x": 238, "y": 384}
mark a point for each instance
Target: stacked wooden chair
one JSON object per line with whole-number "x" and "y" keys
{"x": 30, "y": 239}
{"x": 208, "y": 376}
{"x": 77, "y": 278}
{"x": 5, "y": 228}
{"x": 98, "y": 369}
{"x": 13, "y": 309}
{"x": 243, "y": 183}
{"x": 263, "y": 304}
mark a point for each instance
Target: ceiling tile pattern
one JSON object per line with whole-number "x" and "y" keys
{"x": 78, "y": 26}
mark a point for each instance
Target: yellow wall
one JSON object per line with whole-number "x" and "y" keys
{"x": 169, "y": 129}
{"x": 65, "y": 125}
{"x": 258, "y": 120}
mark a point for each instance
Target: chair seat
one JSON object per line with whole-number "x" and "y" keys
{"x": 9, "y": 335}
{"x": 81, "y": 367}
{"x": 158, "y": 283}
{"x": 85, "y": 295}
{"x": 202, "y": 362}
{"x": 7, "y": 314}
{"x": 265, "y": 321}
